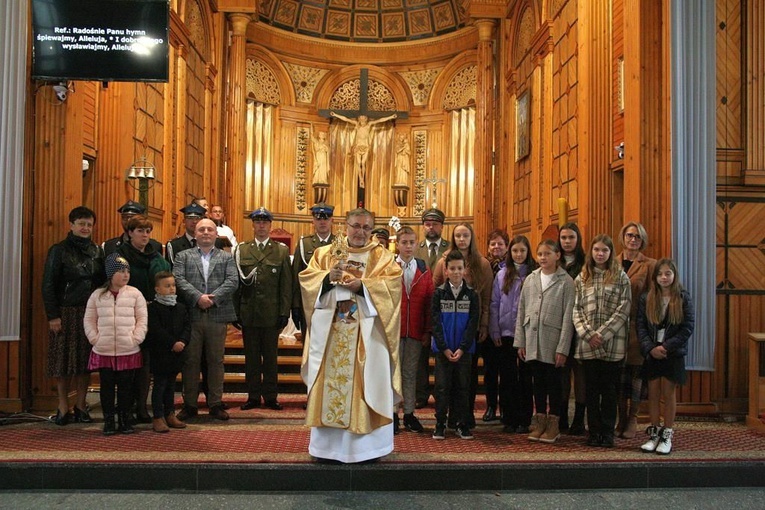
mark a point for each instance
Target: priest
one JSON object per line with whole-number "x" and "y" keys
{"x": 351, "y": 294}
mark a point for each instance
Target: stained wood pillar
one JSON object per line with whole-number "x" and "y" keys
{"x": 236, "y": 119}
{"x": 754, "y": 173}
{"x": 484, "y": 127}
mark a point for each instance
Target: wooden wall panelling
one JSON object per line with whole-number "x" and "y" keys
{"x": 180, "y": 129}
{"x": 57, "y": 188}
{"x": 594, "y": 109}
{"x": 729, "y": 76}
{"x": 618, "y": 35}
{"x": 754, "y": 173}
{"x": 646, "y": 154}
{"x": 116, "y": 127}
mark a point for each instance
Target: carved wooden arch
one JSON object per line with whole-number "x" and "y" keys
{"x": 286, "y": 89}
{"x": 329, "y": 84}
{"x": 206, "y": 25}
{"x": 445, "y": 77}
{"x": 522, "y": 31}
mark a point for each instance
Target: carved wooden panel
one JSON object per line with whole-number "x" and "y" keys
{"x": 729, "y": 79}
{"x": 740, "y": 292}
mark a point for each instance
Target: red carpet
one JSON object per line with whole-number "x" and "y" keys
{"x": 265, "y": 436}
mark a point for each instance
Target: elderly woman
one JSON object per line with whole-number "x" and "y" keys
{"x": 639, "y": 269}
{"x": 73, "y": 270}
{"x": 145, "y": 262}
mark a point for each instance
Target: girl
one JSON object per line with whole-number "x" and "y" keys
{"x": 543, "y": 335}
{"x": 572, "y": 260}
{"x": 639, "y": 269}
{"x": 479, "y": 276}
{"x": 514, "y": 395}
{"x": 601, "y": 317}
{"x": 115, "y": 324}
{"x": 665, "y": 321}
{"x": 491, "y": 352}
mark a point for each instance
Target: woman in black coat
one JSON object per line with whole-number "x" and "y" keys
{"x": 74, "y": 268}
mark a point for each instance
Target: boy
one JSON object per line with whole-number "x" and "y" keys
{"x": 416, "y": 296}
{"x": 169, "y": 333}
{"x": 455, "y": 312}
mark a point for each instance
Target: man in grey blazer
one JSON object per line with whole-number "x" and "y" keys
{"x": 206, "y": 279}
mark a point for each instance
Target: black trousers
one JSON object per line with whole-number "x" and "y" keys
{"x": 452, "y": 385}
{"x": 602, "y": 380}
{"x": 261, "y": 346}
{"x": 163, "y": 395}
{"x": 546, "y": 386}
{"x": 123, "y": 380}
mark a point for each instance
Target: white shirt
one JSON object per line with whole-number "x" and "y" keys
{"x": 409, "y": 270}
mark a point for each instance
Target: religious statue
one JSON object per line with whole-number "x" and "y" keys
{"x": 320, "y": 158}
{"x": 403, "y": 151}
{"x": 362, "y": 132}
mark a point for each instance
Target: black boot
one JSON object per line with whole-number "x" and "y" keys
{"x": 109, "y": 427}
{"x": 124, "y": 423}
{"x": 577, "y": 426}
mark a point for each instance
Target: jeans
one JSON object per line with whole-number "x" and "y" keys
{"x": 163, "y": 395}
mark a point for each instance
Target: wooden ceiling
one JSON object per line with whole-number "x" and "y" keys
{"x": 366, "y": 20}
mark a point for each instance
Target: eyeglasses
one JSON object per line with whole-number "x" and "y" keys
{"x": 365, "y": 228}
{"x": 630, "y": 235}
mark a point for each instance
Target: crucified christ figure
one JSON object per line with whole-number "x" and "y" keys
{"x": 363, "y": 131}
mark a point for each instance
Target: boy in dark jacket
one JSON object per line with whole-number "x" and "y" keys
{"x": 169, "y": 333}
{"x": 416, "y": 297}
{"x": 455, "y": 312}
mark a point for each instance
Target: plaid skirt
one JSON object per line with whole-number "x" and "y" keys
{"x": 69, "y": 349}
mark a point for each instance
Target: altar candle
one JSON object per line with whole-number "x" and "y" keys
{"x": 562, "y": 212}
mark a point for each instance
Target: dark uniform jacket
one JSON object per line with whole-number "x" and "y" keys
{"x": 113, "y": 244}
{"x": 423, "y": 251}
{"x": 306, "y": 245}
{"x": 265, "y": 290}
{"x": 73, "y": 270}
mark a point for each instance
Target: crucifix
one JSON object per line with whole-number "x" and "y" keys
{"x": 434, "y": 182}
{"x": 362, "y": 119}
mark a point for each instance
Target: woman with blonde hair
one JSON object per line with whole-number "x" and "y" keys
{"x": 639, "y": 269}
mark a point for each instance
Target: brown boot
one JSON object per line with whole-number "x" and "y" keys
{"x": 173, "y": 422}
{"x": 541, "y": 420}
{"x": 159, "y": 425}
{"x": 551, "y": 433}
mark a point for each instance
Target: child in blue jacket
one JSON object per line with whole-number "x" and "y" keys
{"x": 455, "y": 313}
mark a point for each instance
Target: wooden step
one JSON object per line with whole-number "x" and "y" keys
{"x": 238, "y": 359}
{"x": 238, "y": 377}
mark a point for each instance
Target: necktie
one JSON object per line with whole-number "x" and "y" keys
{"x": 260, "y": 246}
{"x": 433, "y": 254}
{"x": 193, "y": 243}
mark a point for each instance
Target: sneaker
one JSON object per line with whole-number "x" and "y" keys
{"x": 665, "y": 441}
{"x": 463, "y": 431}
{"x": 440, "y": 432}
{"x": 412, "y": 424}
{"x": 653, "y": 439}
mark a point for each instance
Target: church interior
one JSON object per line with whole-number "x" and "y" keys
{"x": 511, "y": 114}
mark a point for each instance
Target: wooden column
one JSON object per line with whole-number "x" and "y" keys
{"x": 754, "y": 173}
{"x": 594, "y": 108}
{"x": 484, "y": 126}
{"x": 236, "y": 119}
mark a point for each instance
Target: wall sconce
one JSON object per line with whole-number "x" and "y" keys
{"x": 141, "y": 175}
{"x": 619, "y": 151}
